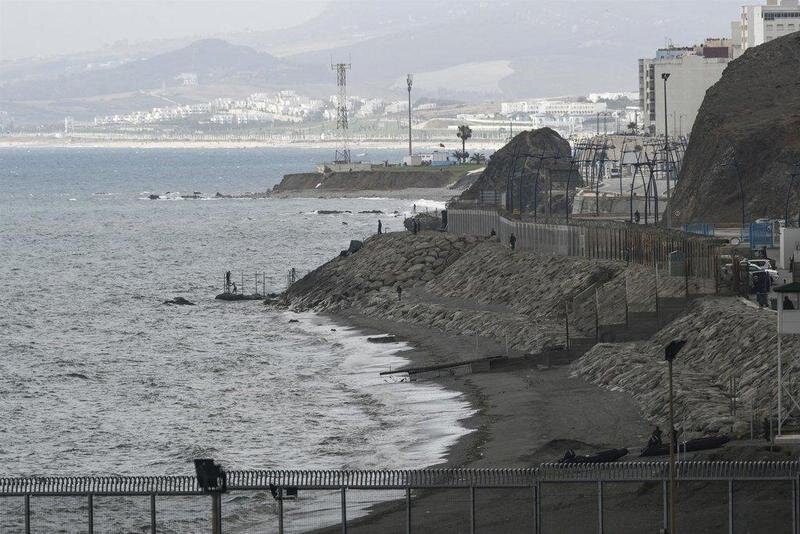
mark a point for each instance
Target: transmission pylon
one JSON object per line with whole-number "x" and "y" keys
{"x": 343, "y": 152}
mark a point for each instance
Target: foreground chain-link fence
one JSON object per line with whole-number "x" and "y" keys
{"x": 617, "y": 497}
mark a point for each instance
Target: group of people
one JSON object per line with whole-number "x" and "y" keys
{"x": 512, "y": 239}
{"x": 229, "y": 284}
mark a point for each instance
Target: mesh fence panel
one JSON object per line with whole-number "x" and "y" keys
{"x": 504, "y": 510}
{"x": 183, "y": 514}
{"x": 12, "y": 514}
{"x": 762, "y": 506}
{"x": 387, "y": 506}
{"x": 632, "y": 507}
{"x": 121, "y": 514}
{"x": 445, "y": 511}
{"x": 249, "y": 512}
{"x": 313, "y": 509}
{"x": 59, "y": 514}
{"x": 702, "y": 506}
{"x": 569, "y": 507}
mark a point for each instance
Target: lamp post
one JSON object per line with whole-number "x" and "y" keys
{"x": 665, "y": 77}
{"x": 409, "y": 81}
{"x": 670, "y": 351}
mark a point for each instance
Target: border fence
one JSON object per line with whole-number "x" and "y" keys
{"x": 642, "y": 245}
{"x": 546, "y": 498}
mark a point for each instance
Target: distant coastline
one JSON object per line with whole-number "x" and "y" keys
{"x": 53, "y": 142}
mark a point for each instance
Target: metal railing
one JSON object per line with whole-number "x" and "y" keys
{"x": 414, "y": 485}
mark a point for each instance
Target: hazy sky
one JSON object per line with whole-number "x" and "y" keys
{"x": 46, "y": 27}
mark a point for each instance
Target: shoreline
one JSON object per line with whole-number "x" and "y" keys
{"x": 522, "y": 416}
{"x": 321, "y": 145}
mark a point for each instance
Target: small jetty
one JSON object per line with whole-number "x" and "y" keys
{"x": 232, "y": 291}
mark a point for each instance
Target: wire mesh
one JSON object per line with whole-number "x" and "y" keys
{"x": 445, "y": 511}
{"x": 762, "y": 506}
{"x": 311, "y": 510}
{"x": 12, "y": 514}
{"x": 121, "y": 514}
{"x": 249, "y": 512}
{"x": 568, "y": 507}
{"x": 387, "y": 506}
{"x": 59, "y": 515}
{"x": 701, "y": 506}
{"x": 504, "y": 510}
{"x": 632, "y": 507}
{"x": 183, "y": 514}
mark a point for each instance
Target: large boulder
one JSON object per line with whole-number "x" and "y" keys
{"x": 519, "y": 158}
{"x": 750, "y": 122}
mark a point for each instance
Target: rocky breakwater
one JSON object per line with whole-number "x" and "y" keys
{"x": 378, "y": 179}
{"x": 726, "y": 339}
{"x": 463, "y": 286}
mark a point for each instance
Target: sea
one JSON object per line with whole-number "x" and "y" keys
{"x": 99, "y": 377}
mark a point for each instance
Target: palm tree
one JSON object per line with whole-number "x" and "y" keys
{"x": 460, "y": 155}
{"x": 632, "y": 127}
{"x": 464, "y": 133}
{"x": 478, "y": 158}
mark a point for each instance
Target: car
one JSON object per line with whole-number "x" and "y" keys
{"x": 761, "y": 263}
{"x": 774, "y": 276}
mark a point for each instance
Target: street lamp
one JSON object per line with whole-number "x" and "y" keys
{"x": 670, "y": 351}
{"x": 409, "y": 81}
{"x": 665, "y": 77}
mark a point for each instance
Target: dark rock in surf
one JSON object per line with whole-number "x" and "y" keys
{"x": 179, "y": 301}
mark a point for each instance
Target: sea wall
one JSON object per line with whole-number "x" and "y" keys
{"x": 727, "y": 339}
{"x": 375, "y": 180}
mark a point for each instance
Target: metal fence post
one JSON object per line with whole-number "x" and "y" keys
{"x": 537, "y": 506}
{"x": 472, "y": 509}
{"x": 730, "y": 506}
{"x": 216, "y": 513}
{"x": 664, "y": 506}
{"x": 27, "y": 514}
{"x": 280, "y": 510}
{"x": 344, "y": 510}
{"x": 600, "y": 506}
{"x": 152, "y": 513}
{"x": 408, "y": 510}
{"x": 90, "y": 506}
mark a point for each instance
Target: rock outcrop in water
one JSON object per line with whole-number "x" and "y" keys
{"x": 749, "y": 120}
{"x": 384, "y": 179}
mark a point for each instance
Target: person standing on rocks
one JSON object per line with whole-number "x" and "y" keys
{"x": 399, "y": 293}
{"x": 380, "y": 227}
{"x": 513, "y": 241}
{"x": 227, "y": 281}
{"x": 637, "y": 217}
{"x": 492, "y": 233}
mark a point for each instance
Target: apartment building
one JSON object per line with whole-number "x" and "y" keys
{"x": 759, "y": 24}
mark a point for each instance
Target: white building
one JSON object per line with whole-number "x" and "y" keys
{"x": 560, "y": 107}
{"x": 509, "y": 108}
{"x": 760, "y": 24}
{"x": 692, "y": 70}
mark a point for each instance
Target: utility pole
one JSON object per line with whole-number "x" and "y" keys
{"x": 409, "y": 81}
{"x": 342, "y": 154}
{"x": 665, "y": 77}
{"x": 670, "y": 351}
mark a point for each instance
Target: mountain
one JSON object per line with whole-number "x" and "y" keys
{"x": 746, "y": 129}
{"x": 213, "y": 61}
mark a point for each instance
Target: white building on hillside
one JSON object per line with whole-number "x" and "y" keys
{"x": 760, "y": 24}
{"x": 692, "y": 70}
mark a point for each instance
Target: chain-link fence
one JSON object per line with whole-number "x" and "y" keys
{"x": 615, "y": 497}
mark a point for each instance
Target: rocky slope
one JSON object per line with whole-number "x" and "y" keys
{"x": 726, "y": 339}
{"x": 375, "y": 180}
{"x": 749, "y": 120}
{"x": 511, "y": 160}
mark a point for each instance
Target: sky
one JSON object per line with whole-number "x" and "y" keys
{"x": 50, "y": 27}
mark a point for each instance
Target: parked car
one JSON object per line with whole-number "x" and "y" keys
{"x": 761, "y": 263}
{"x": 774, "y": 276}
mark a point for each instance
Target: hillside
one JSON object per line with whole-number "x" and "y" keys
{"x": 511, "y": 160}
{"x": 750, "y": 121}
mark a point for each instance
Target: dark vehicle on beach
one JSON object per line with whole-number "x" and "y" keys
{"x": 610, "y": 455}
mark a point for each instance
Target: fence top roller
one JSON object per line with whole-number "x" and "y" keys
{"x": 401, "y": 479}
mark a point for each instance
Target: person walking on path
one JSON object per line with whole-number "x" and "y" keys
{"x": 380, "y": 227}
{"x": 227, "y": 281}
{"x": 399, "y": 293}
{"x": 637, "y": 216}
{"x": 513, "y": 241}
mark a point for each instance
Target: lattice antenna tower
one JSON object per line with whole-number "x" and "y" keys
{"x": 343, "y": 152}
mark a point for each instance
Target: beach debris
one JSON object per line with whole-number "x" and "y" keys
{"x": 179, "y": 301}
{"x": 388, "y": 338}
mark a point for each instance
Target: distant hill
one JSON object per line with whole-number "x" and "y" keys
{"x": 749, "y": 120}
{"x": 214, "y": 61}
